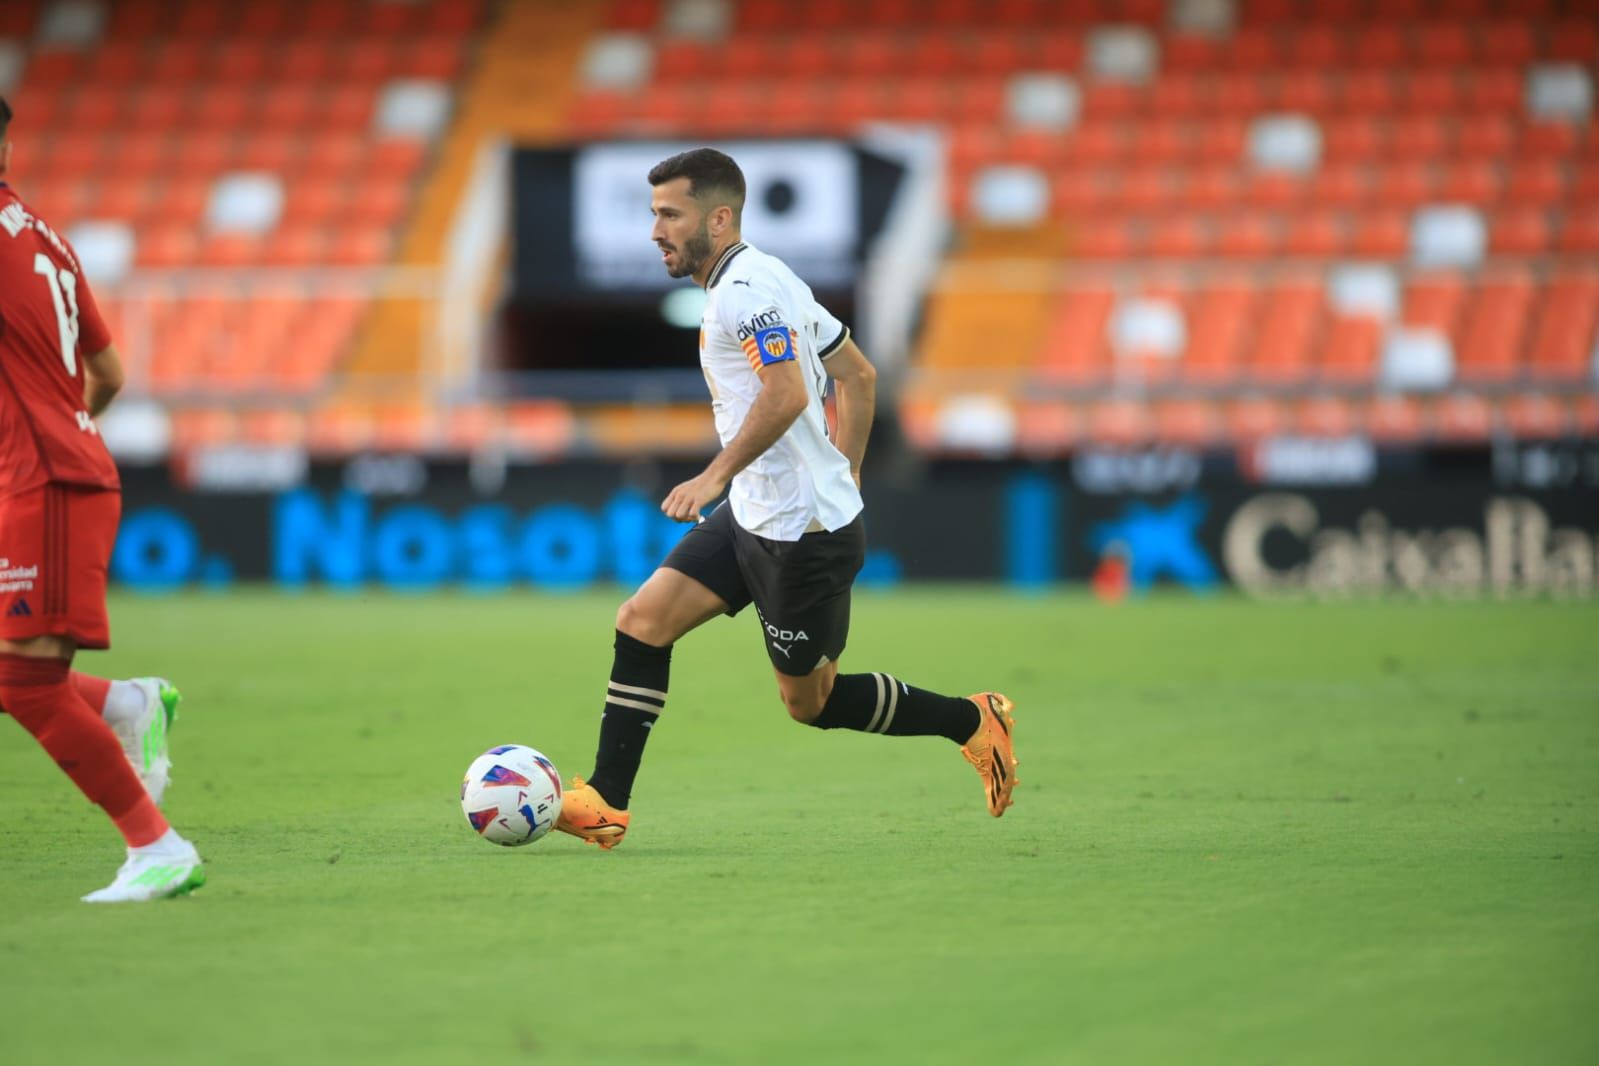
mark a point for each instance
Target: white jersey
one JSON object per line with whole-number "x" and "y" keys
{"x": 759, "y": 312}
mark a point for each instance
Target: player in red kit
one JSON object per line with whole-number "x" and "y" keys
{"x": 60, "y": 499}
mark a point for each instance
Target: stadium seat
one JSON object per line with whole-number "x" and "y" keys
{"x": 1564, "y": 330}
{"x": 1493, "y": 330}
{"x": 1217, "y": 330}
{"x": 1536, "y": 416}
{"x": 1391, "y": 419}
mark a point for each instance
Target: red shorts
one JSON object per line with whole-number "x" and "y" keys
{"x": 55, "y": 550}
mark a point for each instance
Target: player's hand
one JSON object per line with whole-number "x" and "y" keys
{"x": 683, "y": 503}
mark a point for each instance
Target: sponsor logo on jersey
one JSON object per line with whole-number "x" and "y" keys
{"x": 16, "y": 578}
{"x": 765, "y": 320}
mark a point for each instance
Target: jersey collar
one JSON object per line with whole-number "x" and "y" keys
{"x": 720, "y": 266}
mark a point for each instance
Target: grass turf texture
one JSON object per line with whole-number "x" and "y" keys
{"x": 1245, "y": 833}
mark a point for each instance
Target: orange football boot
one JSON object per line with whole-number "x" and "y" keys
{"x": 991, "y": 749}
{"x": 584, "y": 813}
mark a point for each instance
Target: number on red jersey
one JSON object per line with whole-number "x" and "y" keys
{"x": 63, "y": 285}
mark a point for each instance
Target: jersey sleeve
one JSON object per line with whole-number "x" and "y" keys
{"x": 759, "y": 325}
{"x": 93, "y": 336}
{"x": 829, "y": 333}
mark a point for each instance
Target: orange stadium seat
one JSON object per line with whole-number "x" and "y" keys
{"x": 1535, "y": 416}
{"x": 1289, "y": 324}
{"x": 1350, "y": 354}
{"x": 1520, "y": 232}
{"x": 1391, "y": 419}
{"x": 1122, "y": 422}
{"x": 1254, "y": 417}
{"x": 1193, "y": 423}
{"x": 1505, "y": 43}
{"x": 1076, "y": 350}
{"x": 1564, "y": 334}
{"x": 1047, "y": 428}
{"x": 1492, "y": 333}
{"x": 1326, "y": 416}
{"x": 1462, "y": 417}
{"x": 1579, "y": 231}
{"x": 1217, "y": 329}
{"x": 1434, "y": 301}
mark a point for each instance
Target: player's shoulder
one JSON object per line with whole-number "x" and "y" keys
{"x": 16, "y": 216}
{"x": 749, "y": 267}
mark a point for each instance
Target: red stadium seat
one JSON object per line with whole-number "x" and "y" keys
{"x": 1520, "y": 232}
{"x": 1485, "y": 137}
{"x": 1477, "y": 184}
{"x": 1506, "y": 43}
{"x": 1535, "y": 183}
{"x": 1579, "y": 231}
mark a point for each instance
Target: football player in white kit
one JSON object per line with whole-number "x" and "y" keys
{"x": 790, "y": 538}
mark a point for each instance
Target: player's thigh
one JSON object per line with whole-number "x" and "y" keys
{"x": 667, "y": 606}
{"x": 55, "y": 556}
{"x": 699, "y": 579}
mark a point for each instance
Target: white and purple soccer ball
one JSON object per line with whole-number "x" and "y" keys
{"x": 511, "y": 795}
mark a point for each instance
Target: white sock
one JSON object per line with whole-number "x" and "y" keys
{"x": 123, "y": 703}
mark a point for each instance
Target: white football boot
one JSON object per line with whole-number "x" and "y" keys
{"x": 164, "y": 870}
{"x": 144, "y": 733}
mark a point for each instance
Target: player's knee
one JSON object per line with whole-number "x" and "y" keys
{"x": 805, "y": 703}
{"x": 638, "y": 623}
{"x": 804, "y": 708}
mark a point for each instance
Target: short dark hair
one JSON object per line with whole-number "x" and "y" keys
{"x": 708, "y": 172}
{"x": 5, "y": 117}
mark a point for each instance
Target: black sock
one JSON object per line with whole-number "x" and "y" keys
{"x": 633, "y": 701}
{"x": 878, "y": 703}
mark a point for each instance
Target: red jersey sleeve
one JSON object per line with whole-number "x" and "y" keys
{"x": 93, "y": 336}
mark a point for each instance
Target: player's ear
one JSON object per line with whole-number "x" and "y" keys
{"x": 721, "y": 219}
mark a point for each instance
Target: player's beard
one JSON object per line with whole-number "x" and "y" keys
{"x": 695, "y": 251}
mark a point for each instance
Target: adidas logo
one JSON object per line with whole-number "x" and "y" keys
{"x": 20, "y": 609}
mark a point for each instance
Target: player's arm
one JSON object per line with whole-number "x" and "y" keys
{"x": 102, "y": 371}
{"x": 782, "y": 399}
{"x": 855, "y": 391}
{"x": 102, "y": 379}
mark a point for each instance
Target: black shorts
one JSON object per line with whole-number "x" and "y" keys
{"x": 800, "y": 588}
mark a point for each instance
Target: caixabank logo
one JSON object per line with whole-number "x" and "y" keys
{"x": 1282, "y": 544}
{"x": 1402, "y": 538}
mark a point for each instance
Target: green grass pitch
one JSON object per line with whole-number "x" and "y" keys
{"x": 1245, "y": 834}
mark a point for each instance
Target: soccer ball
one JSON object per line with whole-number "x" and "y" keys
{"x": 511, "y": 795}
